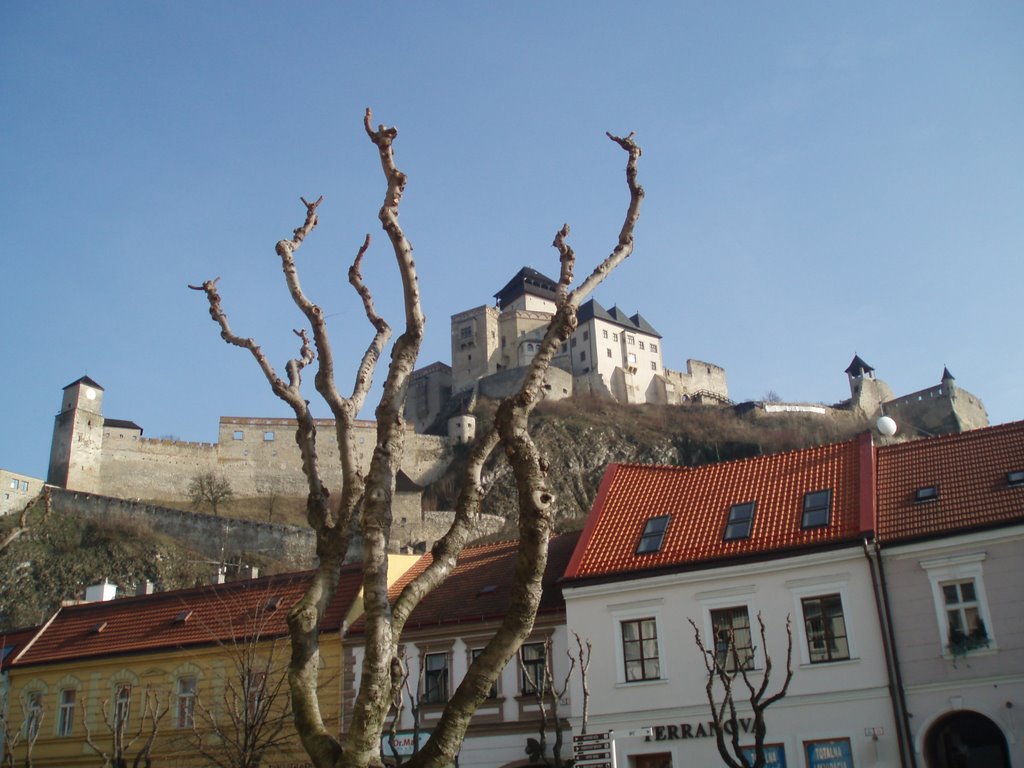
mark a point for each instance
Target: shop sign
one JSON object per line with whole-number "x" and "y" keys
{"x": 831, "y": 753}
{"x": 774, "y": 755}
{"x": 698, "y": 730}
{"x": 404, "y": 743}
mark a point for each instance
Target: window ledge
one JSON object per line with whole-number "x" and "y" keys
{"x": 641, "y": 683}
{"x": 829, "y": 664}
{"x": 990, "y": 650}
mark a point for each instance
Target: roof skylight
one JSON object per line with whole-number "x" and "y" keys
{"x": 740, "y": 521}
{"x": 817, "y": 508}
{"x": 654, "y": 532}
{"x": 1015, "y": 478}
{"x": 926, "y": 493}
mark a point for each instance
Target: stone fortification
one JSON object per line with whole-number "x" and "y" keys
{"x": 257, "y": 456}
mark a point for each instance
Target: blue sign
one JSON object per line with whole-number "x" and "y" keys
{"x": 832, "y": 753}
{"x": 774, "y": 755}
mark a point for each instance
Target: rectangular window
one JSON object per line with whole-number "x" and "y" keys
{"x": 186, "y": 702}
{"x": 609, "y": 352}
{"x": 66, "y": 715}
{"x": 586, "y": 335}
{"x": 740, "y": 521}
{"x": 817, "y": 505}
{"x": 532, "y": 672}
{"x": 654, "y": 365}
{"x": 640, "y": 649}
{"x": 237, "y": 434}
{"x": 33, "y": 715}
{"x": 493, "y": 693}
{"x": 24, "y": 485}
{"x": 268, "y": 437}
{"x": 256, "y": 684}
{"x": 122, "y": 704}
{"x": 733, "y": 642}
{"x": 604, "y": 333}
{"x": 826, "y": 629}
{"x": 630, "y": 339}
{"x": 631, "y": 357}
{"x": 654, "y": 532}
{"x": 615, "y": 337}
{"x": 435, "y": 678}
{"x": 641, "y": 345}
{"x": 654, "y": 347}
{"x": 465, "y": 332}
{"x": 963, "y": 616}
{"x": 572, "y": 342}
{"x": 583, "y": 354}
{"x": 14, "y": 485}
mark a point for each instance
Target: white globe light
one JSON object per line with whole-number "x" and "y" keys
{"x": 886, "y": 426}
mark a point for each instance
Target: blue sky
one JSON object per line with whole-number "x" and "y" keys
{"x": 822, "y": 179}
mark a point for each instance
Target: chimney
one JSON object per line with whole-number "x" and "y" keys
{"x": 250, "y": 572}
{"x": 97, "y": 593}
{"x": 145, "y": 587}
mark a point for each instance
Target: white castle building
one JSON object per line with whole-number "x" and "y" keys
{"x": 611, "y": 354}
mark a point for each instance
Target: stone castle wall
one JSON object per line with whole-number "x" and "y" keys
{"x": 700, "y": 378}
{"x": 938, "y": 410}
{"x": 257, "y": 457}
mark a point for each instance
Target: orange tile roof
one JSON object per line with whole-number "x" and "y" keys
{"x": 478, "y": 589}
{"x": 12, "y": 642}
{"x": 215, "y": 613}
{"x": 699, "y": 499}
{"x": 969, "y": 470}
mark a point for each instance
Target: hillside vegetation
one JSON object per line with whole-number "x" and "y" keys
{"x": 581, "y": 436}
{"x": 59, "y": 558}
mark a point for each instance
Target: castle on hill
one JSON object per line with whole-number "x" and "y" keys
{"x": 610, "y": 354}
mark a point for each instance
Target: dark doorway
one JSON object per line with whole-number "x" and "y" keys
{"x": 966, "y": 740}
{"x": 659, "y": 760}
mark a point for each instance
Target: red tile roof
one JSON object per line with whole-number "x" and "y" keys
{"x": 699, "y": 500}
{"x": 969, "y": 470}
{"x": 189, "y": 617}
{"x": 478, "y": 589}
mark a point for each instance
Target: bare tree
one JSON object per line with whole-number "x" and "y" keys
{"x": 547, "y": 694}
{"x": 249, "y": 720}
{"x": 582, "y": 656}
{"x": 209, "y": 490}
{"x": 155, "y": 705}
{"x": 725, "y": 664}
{"x": 268, "y": 489}
{"x": 25, "y": 521}
{"x": 32, "y": 716}
{"x": 366, "y": 498}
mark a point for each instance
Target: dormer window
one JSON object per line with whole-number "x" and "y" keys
{"x": 817, "y": 508}
{"x": 927, "y": 493}
{"x": 1015, "y": 479}
{"x": 741, "y": 519}
{"x": 654, "y": 532}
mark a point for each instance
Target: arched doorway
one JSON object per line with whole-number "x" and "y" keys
{"x": 966, "y": 740}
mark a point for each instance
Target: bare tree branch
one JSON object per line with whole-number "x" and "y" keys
{"x": 724, "y": 666}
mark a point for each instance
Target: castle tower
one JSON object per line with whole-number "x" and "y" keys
{"x": 866, "y": 392}
{"x": 78, "y": 438}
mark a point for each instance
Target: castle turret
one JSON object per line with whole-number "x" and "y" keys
{"x": 78, "y": 438}
{"x": 866, "y": 392}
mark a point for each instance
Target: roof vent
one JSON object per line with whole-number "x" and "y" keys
{"x": 273, "y": 603}
{"x": 927, "y": 493}
{"x": 99, "y": 627}
{"x": 490, "y": 589}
